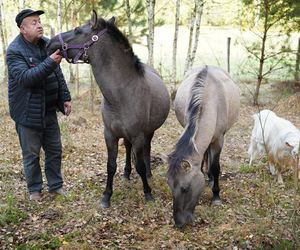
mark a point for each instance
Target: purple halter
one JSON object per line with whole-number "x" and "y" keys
{"x": 83, "y": 48}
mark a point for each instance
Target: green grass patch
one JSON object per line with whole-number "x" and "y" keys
{"x": 10, "y": 214}
{"x": 247, "y": 169}
{"x": 42, "y": 241}
{"x": 285, "y": 245}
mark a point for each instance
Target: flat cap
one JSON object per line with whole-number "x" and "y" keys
{"x": 26, "y": 13}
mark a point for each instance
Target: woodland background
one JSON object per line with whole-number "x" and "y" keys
{"x": 257, "y": 41}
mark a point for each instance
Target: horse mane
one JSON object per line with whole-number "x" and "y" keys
{"x": 122, "y": 39}
{"x": 185, "y": 145}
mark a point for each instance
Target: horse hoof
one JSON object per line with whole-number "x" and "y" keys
{"x": 149, "y": 197}
{"x": 216, "y": 202}
{"x": 105, "y": 203}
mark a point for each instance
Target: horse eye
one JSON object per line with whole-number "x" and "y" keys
{"x": 77, "y": 30}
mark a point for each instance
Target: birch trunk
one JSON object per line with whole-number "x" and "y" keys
{"x": 150, "y": 10}
{"x": 74, "y": 24}
{"x": 92, "y": 90}
{"x": 297, "y": 63}
{"x": 21, "y": 5}
{"x": 59, "y": 23}
{"x": 192, "y": 25}
{"x": 128, "y": 14}
{"x": 173, "y": 79}
{"x": 3, "y": 41}
{"x": 197, "y": 31}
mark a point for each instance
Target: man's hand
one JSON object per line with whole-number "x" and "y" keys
{"x": 56, "y": 56}
{"x": 67, "y": 107}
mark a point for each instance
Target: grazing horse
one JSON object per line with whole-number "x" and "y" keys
{"x": 135, "y": 100}
{"x": 206, "y": 105}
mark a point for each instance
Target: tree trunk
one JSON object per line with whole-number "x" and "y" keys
{"x": 150, "y": 10}
{"x": 3, "y": 41}
{"x": 74, "y": 24}
{"x": 228, "y": 53}
{"x": 59, "y": 23}
{"x": 77, "y": 79}
{"x": 197, "y": 31}
{"x": 173, "y": 78}
{"x": 21, "y": 5}
{"x": 262, "y": 54}
{"x": 128, "y": 14}
{"x": 92, "y": 90}
{"x": 192, "y": 26}
{"x": 297, "y": 62}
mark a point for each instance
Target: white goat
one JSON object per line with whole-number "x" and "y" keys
{"x": 276, "y": 137}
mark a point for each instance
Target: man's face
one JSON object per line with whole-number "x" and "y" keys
{"x": 32, "y": 28}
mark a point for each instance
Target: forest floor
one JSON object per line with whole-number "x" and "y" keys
{"x": 256, "y": 213}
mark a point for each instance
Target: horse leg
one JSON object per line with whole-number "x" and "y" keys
{"x": 112, "y": 152}
{"x": 138, "y": 147}
{"x": 127, "y": 169}
{"x": 209, "y": 159}
{"x": 215, "y": 150}
{"x": 147, "y": 154}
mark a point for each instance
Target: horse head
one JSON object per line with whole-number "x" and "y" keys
{"x": 75, "y": 44}
{"x": 186, "y": 183}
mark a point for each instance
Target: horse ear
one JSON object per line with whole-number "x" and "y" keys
{"x": 185, "y": 166}
{"x": 112, "y": 20}
{"x": 94, "y": 20}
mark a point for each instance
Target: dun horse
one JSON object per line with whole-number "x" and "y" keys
{"x": 135, "y": 103}
{"x": 206, "y": 105}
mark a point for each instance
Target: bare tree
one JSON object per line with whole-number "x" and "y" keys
{"x": 3, "y": 40}
{"x": 59, "y": 21}
{"x": 197, "y": 31}
{"x": 194, "y": 31}
{"x": 21, "y": 5}
{"x": 128, "y": 14}
{"x": 192, "y": 25}
{"x": 92, "y": 91}
{"x": 150, "y": 10}
{"x": 173, "y": 79}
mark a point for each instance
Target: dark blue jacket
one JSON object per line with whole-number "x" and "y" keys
{"x": 27, "y": 73}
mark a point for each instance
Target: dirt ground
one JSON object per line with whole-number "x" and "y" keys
{"x": 256, "y": 213}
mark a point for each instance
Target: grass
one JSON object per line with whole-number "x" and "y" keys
{"x": 10, "y": 214}
{"x": 256, "y": 213}
{"x": 247, "y": 169}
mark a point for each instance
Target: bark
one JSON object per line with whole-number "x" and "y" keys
{"x": 77, "y": 79}
{"x": 197, "y": 31}
{"x": 128, "y": 14}
{"x": 3, "y": 41}
{"x": 262, "y": 53}
{"x": 192, "y": 25}
{"x": 297, "y": 62}
{"x": 92, "y": 90}
{"x": 21, "y": 5}
{"x": 59, "y": 22}
{"x": 150, "y": 10}
{"x": 228, "y": 53}
{"x": 74, "y": 24}
{"x": 175, "y": 44}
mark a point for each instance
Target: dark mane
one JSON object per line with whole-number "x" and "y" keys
{"x": 122, "y": 39}
{"x": 185, "y": 145}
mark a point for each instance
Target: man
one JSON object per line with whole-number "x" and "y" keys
{"x": 36, "y": 89}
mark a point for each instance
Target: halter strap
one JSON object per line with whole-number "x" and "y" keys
{"x": 83, "y": 48}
